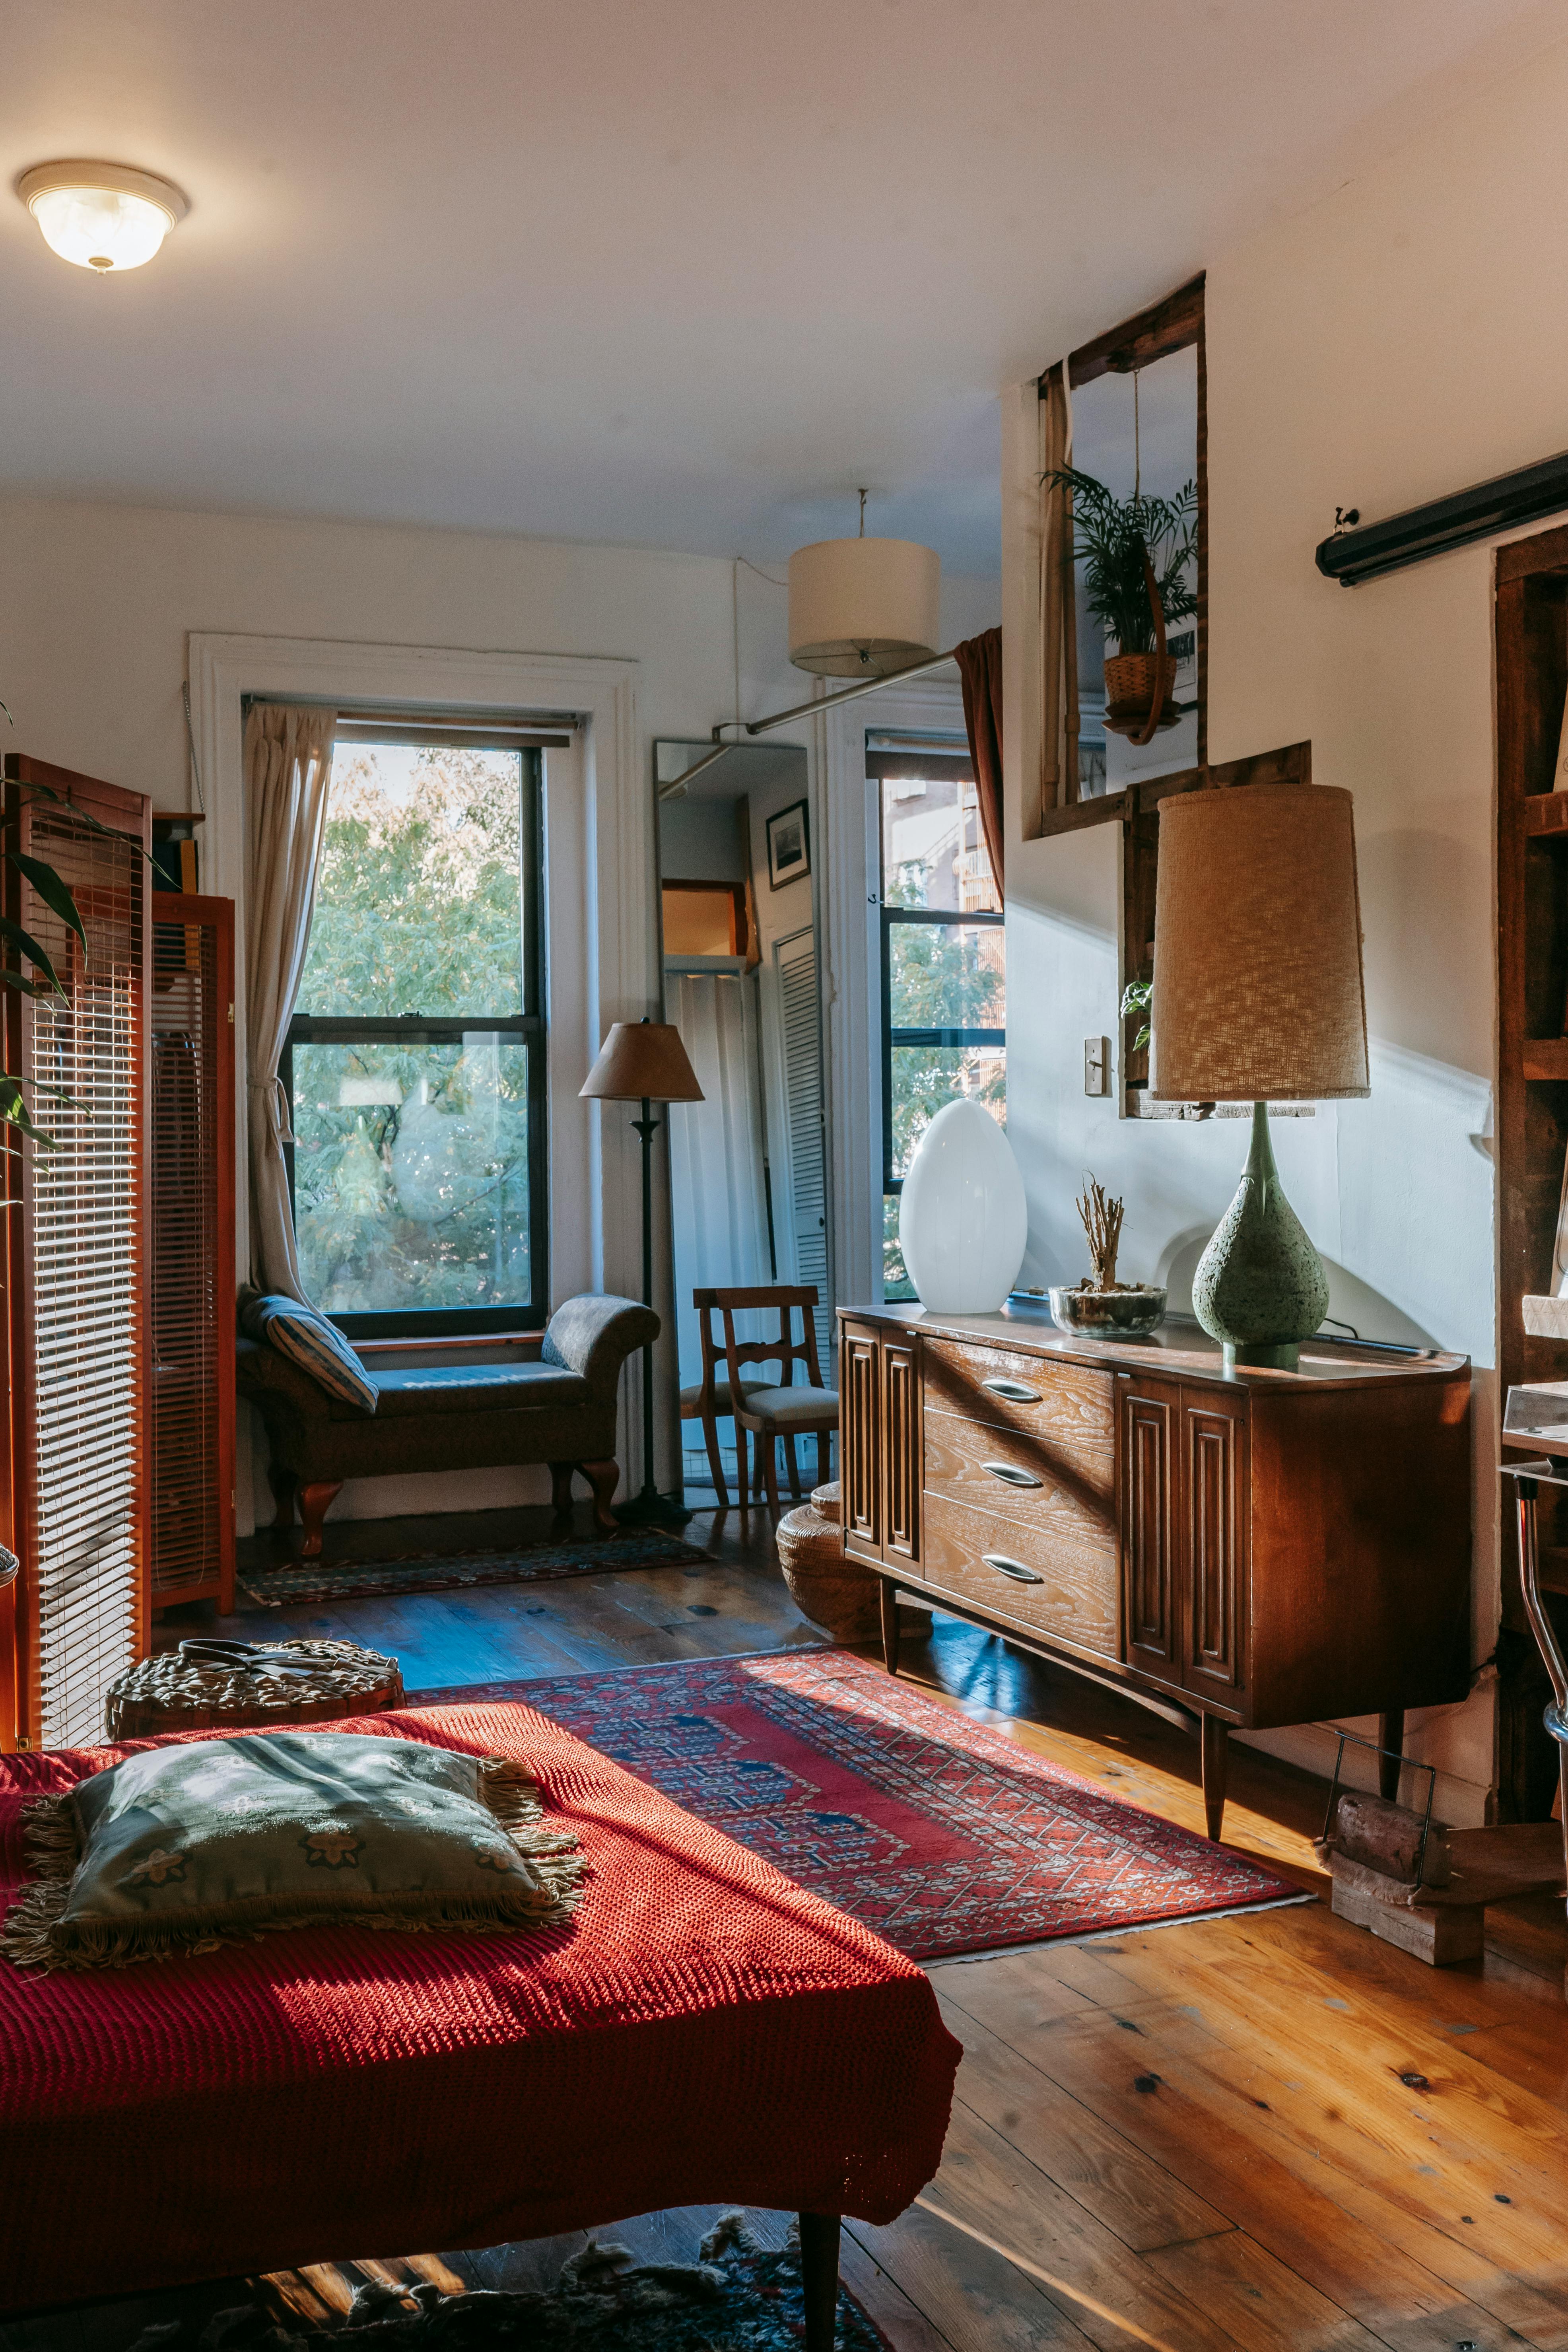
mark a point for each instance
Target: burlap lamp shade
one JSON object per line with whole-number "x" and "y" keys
{"x": 1257, "y": 978}
{"x": 1259, "y": 998}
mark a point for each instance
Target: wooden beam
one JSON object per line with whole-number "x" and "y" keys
{"x": 1167, "y": 326}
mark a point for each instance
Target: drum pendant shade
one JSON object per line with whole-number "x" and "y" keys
{"x": 863, "y": 607}
{"x": 1259, "y": 994}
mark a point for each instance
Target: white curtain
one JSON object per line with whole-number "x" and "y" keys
{"x": 718, "y": 1194}
{"x": 288, "y": 767}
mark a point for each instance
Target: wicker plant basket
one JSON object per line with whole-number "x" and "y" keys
{"x": 834, "y": 1592}
{"x": 1130, "y": 689}
{"x": 249, "y": 1686}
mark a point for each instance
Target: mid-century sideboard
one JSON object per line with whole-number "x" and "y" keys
{"x": 1239, "y": 1550}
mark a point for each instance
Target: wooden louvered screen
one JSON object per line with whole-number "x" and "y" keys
{"x": 75, "y": 1256}
{"x": 192, "y": 1249}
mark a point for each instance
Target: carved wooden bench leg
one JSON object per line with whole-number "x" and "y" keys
{"x": 603, "y": 1478}
{"x": 283, "y": 1483}
{"x": 315, "y": 1501}
{"x": 890, "y": 1596}
{"x": 819, "y": 2278}
{"x": 560, "y": 1488}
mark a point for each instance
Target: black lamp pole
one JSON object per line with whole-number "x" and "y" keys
{"x": 651, "y": 1509}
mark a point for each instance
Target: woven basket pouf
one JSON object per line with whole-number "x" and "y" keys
{"x": 834, "y": 1591}
{"x": 249, "y": 1686}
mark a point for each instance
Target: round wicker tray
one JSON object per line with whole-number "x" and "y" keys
{"x": 241, "y": 1686}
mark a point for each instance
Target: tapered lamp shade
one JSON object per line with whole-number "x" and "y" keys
{"x": 642, "y": 1061}
{"x": 1257, "y": 975}
{"x": 863, "y": 607}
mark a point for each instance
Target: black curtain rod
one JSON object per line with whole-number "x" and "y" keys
{"x": 1512, "y": 499}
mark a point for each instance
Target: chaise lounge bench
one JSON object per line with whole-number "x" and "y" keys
{"x": 703, "y": 2030}
{"x": 558, "y": 1407}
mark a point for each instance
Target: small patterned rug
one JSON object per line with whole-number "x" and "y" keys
{"x": 737, "y": 2296}
{"x": 943, "y": 1834}
{"x": 294, "y": 1584}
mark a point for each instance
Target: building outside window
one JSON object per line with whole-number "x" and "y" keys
{"x": 415, "y": 1065}
{"x": 943, "y": 966}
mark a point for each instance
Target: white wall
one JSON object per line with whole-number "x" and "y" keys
{"x": 98, "y": 602}
{"x": 1401, "y": 339}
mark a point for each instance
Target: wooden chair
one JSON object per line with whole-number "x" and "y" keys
{"x": 789, "y": 1410}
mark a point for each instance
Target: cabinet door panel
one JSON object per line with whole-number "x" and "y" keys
{"x": 1151, "y": 1523}
{"x": 859, "y": 1438}
{"x": 1214, "y": 1437}
{"x": 901, "y": 1453}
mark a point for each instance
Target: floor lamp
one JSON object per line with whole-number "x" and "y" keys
{"x": 644, "y": 1061}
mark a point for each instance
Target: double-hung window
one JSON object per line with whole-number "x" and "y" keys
{"x": 945, "y": 997}
{"x": 416, "y": 1061}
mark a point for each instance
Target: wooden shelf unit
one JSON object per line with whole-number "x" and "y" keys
{"x": 1530, "y": 1141}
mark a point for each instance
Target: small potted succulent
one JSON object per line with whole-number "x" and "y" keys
{"x": 1137, "y": 555}
{"x": 1098, "y": 1304}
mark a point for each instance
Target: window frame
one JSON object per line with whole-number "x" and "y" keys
{"x": 883, "y": 768}
{"x": 529, "y": 1028}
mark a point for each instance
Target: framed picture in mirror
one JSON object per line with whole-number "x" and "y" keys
{"x": 789, "y": 845}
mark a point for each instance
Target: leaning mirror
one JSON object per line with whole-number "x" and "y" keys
{"x": 749, "y": 1204}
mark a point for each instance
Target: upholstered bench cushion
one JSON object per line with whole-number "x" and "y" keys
{"x": 481, "y": 1388}
{"x": 703, "y": 2030}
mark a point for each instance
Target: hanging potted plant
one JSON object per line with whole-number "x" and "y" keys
{"x": 1136, "y": 554}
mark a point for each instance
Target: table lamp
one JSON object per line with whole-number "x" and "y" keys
{"x": 1259, "y": 998}
{"x": 644, "y": 1061}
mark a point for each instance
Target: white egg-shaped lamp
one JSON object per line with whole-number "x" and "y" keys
{"x": 963, "y": 1222}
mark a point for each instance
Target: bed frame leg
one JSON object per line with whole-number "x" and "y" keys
{"x": 819, "y": 2278}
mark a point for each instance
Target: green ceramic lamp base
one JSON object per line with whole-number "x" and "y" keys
{"x": 1260, "y": 1288}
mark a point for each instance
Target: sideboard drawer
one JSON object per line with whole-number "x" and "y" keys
{"x": 1068, "y": 1405}
{"x": 1075, "y": 1598}
{"x": 1063, "y": 1471}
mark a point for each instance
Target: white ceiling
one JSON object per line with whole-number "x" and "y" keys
{"x": 674, "y": 272}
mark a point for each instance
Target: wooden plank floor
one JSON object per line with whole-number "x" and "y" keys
{"x": 1270, "y": 2131}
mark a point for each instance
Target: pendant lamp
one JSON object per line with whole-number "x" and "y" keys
{"x": 863, "y": 607}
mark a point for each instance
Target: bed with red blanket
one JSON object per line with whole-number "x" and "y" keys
{"x": 704, "y": 2031}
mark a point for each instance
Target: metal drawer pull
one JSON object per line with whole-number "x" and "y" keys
{"x": 1012, "y": 1567}
{"x": 1013, "y": 1391}
{"x": 1011, "y": 1474}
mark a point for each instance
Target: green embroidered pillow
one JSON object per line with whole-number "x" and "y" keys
{"x": 178, "y": 1849}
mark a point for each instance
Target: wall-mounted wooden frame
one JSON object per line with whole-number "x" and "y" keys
{"x": 1173, "y": 324}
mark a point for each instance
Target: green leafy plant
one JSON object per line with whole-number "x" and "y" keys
{"x": 1112, "y": 536}
{"x": 18, "y": 947}
{"x": 1137, "y": 997}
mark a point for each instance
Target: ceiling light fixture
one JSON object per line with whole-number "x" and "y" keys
{"x": 863, "y": 607}
{"x": 103, "y": 217}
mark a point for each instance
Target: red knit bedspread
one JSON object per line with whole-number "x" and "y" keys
{"x": 704, "y": 2031}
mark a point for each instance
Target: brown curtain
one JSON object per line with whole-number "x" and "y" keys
{"x": 980, "y": 667}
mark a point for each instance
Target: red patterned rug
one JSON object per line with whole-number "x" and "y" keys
{"x": 943, "y": 1834}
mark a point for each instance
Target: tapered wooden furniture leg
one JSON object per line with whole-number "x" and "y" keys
{"x": 603, "y": 1478}
{"x": 770, "y": 1471}
{"x": 715, "y": 1459}
{"x": 819, "y": 2278}
{"x": 1390, "y": 1734}
{"x": 283, "y": 1483}
{"x": 742, "y": 1466}
{"x": 889, "y": 1624}
{"x": 315, "y": 1501}
{"x": 1216, "y": 1734}
{"x": 793, "y": 1469}
{"x": 560, "y": 1488}
{"x": 824, "y": 1457}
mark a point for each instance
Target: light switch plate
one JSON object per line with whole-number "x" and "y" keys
{"x": 1097, "y": 1065}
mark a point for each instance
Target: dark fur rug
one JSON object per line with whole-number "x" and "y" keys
{"x": 737, "y": 2296}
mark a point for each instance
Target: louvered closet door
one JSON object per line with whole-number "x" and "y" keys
{"x": 192, "y": 1249}
{"x": 77, "y": 1264}
{"x": 800, "y": 1019}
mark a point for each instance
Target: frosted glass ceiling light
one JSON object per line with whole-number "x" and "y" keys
{"x": 103, "y": 216}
